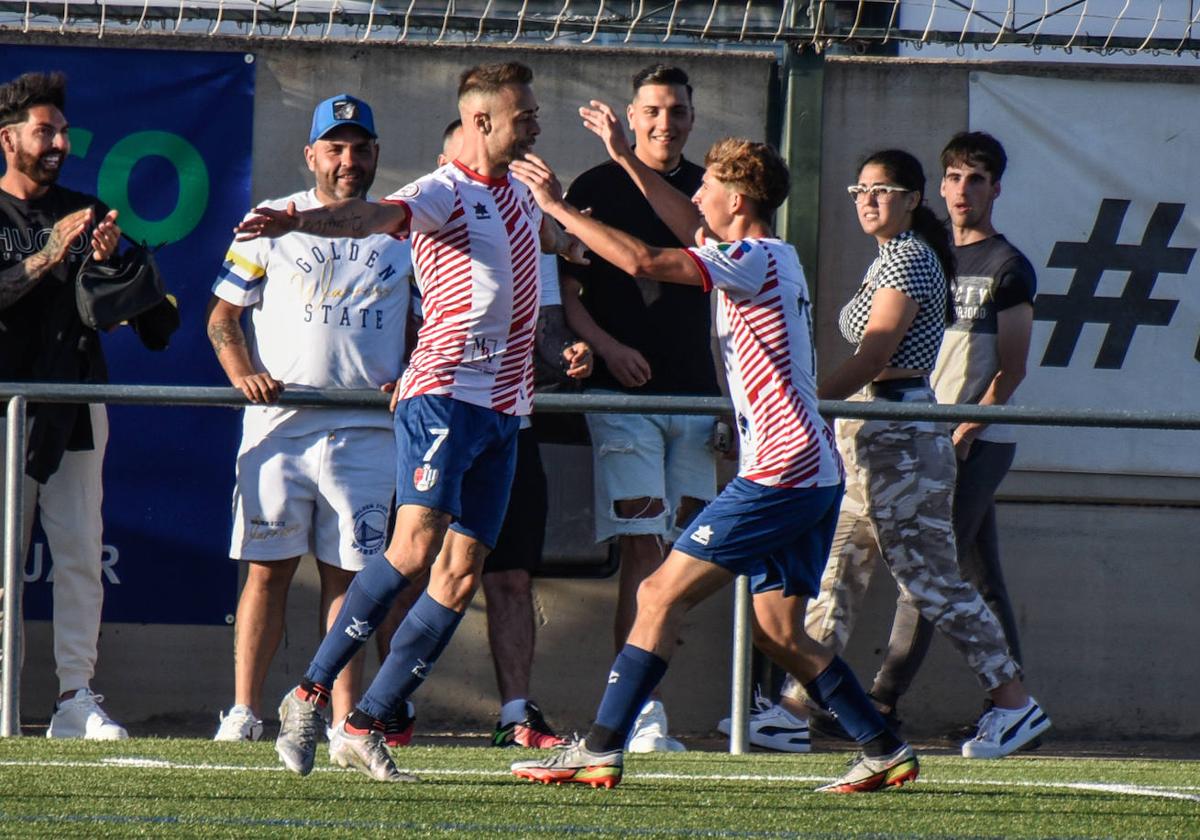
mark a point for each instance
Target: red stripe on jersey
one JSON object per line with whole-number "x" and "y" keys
{"x": 443, "y": 261}
{"x": 784, "y": 450}
{"x": 516, "y": 367}
{"x": 705, "y": 278}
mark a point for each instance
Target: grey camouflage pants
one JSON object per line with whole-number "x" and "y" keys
{"x": 897, "y": 507}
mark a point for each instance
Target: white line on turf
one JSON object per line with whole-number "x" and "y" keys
{"x": 1159, "y": 791}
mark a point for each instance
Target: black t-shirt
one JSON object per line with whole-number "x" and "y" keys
{"x": 991, "y": 276}
{"x": 669, "y": 324}
{"x": 42, "y": 317}
{"x": 42, "y": 338}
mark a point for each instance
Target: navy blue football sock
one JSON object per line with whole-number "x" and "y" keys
{"x": 837, "y": 690}
{"x": 419, "y": 641}
{"x": 634, "y": 675}
{"x": 368, "y": 599}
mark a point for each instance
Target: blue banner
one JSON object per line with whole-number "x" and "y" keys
{"x": 163, "y": 137}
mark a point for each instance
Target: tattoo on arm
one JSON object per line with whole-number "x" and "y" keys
{"x": 34, "y": 268}
{"x": 227, "y": 333}
{"x": 333, "y": 222}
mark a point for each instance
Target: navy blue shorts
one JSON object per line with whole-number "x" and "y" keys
{"x": 458, "y": 458}
{"x": 778, "y": 536}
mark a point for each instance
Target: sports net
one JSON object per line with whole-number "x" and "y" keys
{"x": 1102, "y": 26}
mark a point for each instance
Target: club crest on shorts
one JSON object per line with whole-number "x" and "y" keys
{"x": 702, "y": 534}
{"x": 370, "y": 528}
{"x": 424, "y": 477}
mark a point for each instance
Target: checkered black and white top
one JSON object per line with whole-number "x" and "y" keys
{"x": 907, "y": 264}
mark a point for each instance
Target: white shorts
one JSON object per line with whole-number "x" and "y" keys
{"x": 659, "y": 456}
{"x": 328, "y": 494}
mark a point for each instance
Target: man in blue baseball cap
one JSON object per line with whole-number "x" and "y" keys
{"x": 340, "y": 110}
{"x": 323, "y": 313}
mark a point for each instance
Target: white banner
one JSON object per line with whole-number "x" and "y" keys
{"x": 1101, "y": 194}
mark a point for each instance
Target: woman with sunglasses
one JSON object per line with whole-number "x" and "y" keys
{"x": 900, "y": 473}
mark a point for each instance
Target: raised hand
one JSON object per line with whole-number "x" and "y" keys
{"x": 269, "y": 223}
{"x": 105, "y": 237}
{"x": 599, "y": 119}
{"x": 536, "y": 174}
{"x": 65, "y": 231}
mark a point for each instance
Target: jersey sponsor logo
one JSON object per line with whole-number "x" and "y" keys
{"x": 359, "y": 629}
{"x": 482, "y": 349}
{"x": 370, "y": 528}
{"x": 481, "y": 211}
{"x": 702, "y": 534}
{"x": 424, "y": 477}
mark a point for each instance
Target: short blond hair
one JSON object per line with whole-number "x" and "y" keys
{"x": 753, "y": 169}
{"x": 490, "y": 78}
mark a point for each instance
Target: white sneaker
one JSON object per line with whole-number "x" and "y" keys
{"x": 82, "y": 717}
{"x": 300, "y": 722}
{"x": 366, "y": 753}
{"x": 773, "y": 727}
{"x": 239, "y": 724}
{"x": 649, "y": 732}
{"x": 1002, "y": 731}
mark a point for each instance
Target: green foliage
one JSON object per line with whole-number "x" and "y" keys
{"x": 191, "y": 788}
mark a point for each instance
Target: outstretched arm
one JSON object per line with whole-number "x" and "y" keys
{"x": 628, "y": 253}
{"x": 352, "y": 217}
{"x": 673, "y": 207}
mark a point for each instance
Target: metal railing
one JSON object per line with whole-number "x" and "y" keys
{"x": 18, "y": 395}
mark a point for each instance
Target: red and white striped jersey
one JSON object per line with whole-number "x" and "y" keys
{"x": 475, "y": 254}
{"x": 764, "y": 322}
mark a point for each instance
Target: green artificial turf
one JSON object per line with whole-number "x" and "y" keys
{"x": 192, "y": 788}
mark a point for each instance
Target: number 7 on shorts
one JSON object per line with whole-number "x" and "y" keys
{"x": 439, "y": 437}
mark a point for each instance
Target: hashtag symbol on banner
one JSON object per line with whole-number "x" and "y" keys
{"x": 1124, "y": 314}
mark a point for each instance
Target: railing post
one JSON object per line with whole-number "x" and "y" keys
{"x": 14, "y": 530}
{"x": 739, "y": 701}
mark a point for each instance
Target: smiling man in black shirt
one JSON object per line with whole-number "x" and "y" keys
{"x": 46, "y": 231}
{"x": 652, "y": 472}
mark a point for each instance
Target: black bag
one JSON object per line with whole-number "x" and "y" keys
{"x": 127, "y": 287}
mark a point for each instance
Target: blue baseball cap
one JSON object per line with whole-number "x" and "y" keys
{"x": 342, "y": 109}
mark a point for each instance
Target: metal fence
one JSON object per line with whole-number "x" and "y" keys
{"x": 19, "y": 395}
{"x": 1103, "y": 27}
